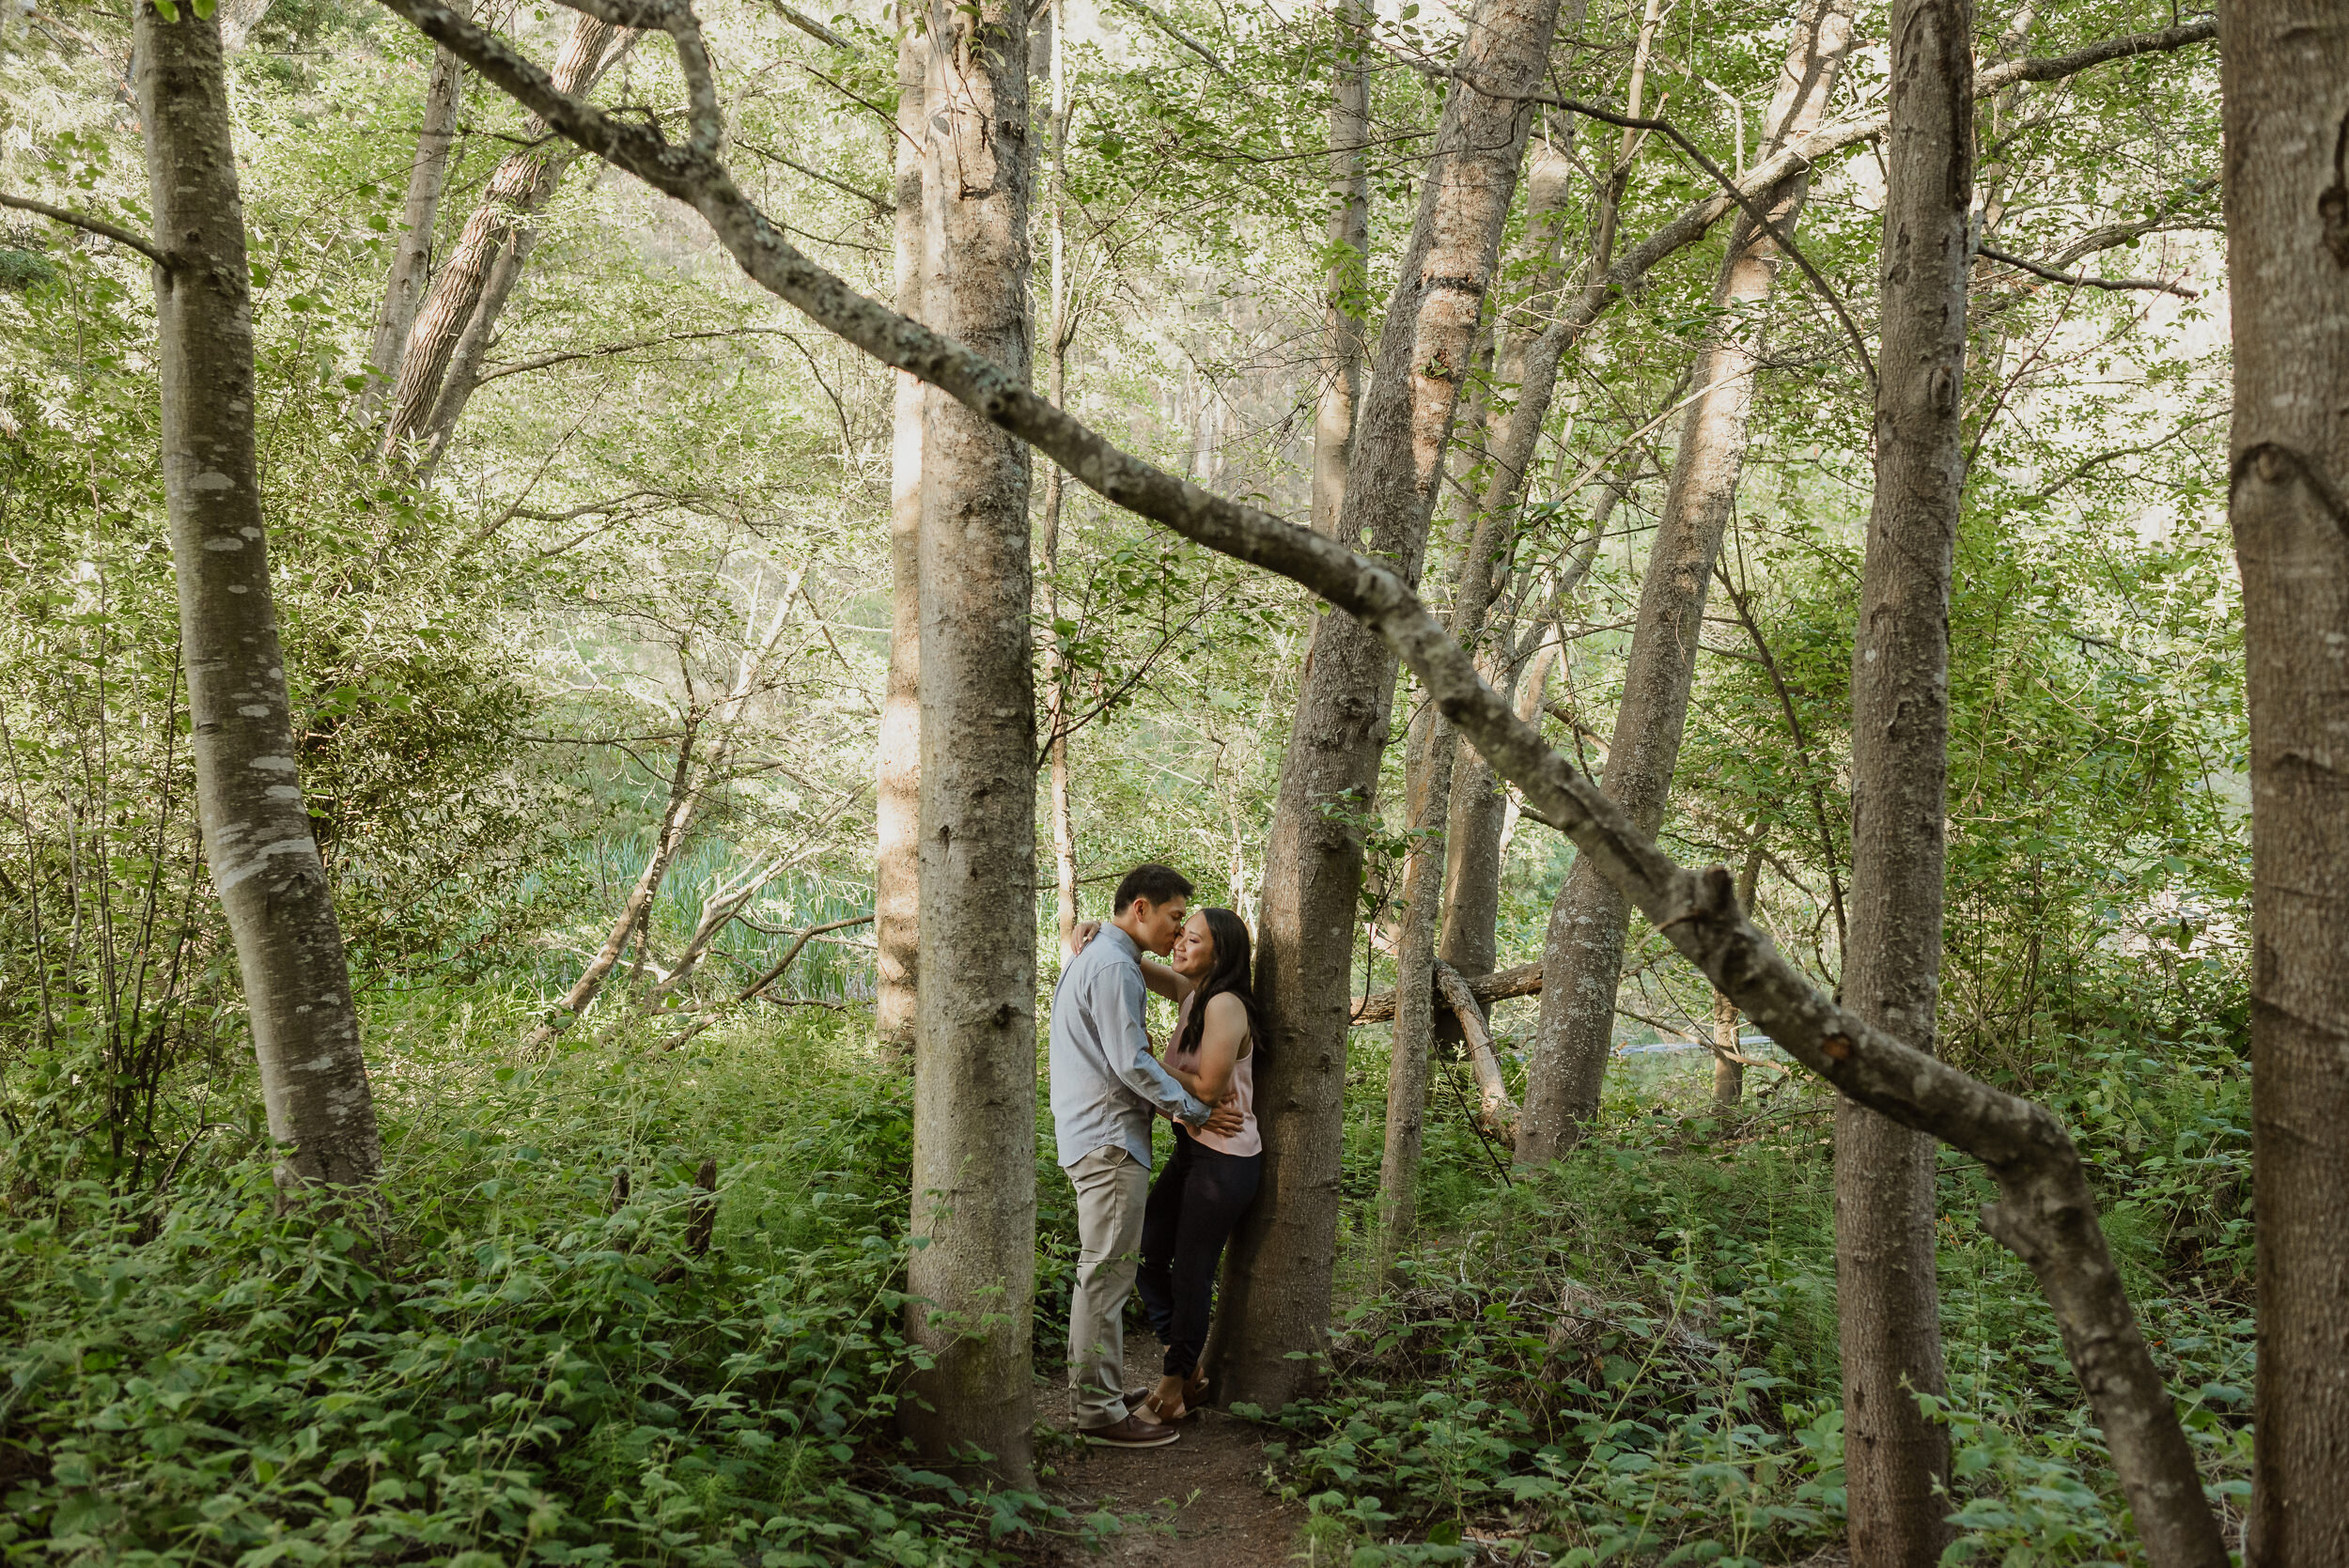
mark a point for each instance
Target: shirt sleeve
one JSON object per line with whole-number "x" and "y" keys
{"x": 1127, "y": 1045}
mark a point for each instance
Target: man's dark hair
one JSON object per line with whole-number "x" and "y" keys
{"x": 1157, "y": 883}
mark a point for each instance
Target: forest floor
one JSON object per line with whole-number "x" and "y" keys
{"x": 1201, "y": 1502}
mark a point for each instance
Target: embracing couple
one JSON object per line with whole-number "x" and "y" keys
{"x": 1107, "y": 1086}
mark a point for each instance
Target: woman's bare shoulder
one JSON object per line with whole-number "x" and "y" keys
{"x": 1225, "y": 1007}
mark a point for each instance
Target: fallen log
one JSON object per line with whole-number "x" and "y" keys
{"x": 1495, "y": 1112}
{"x": 1523, "y": 981}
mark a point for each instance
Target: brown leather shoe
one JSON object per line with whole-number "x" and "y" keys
{"x": 1131, "y": 1433}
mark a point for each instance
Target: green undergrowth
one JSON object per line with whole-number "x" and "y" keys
{"x": 517, "y": 1357}
{"x": 1633, "y": 1360}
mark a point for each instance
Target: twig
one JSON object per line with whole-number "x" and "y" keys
{"x": 1178, "y": 35}
{"x": 2081, "y": 280}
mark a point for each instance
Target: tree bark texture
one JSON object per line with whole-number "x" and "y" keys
{"x": 1064, "y": 329}
{"x": 1887, "y": 1303}
{"x": 897, "y": 805}
{"x": 519, "y": 190}
{"x": 2287, "y": 200}
{"x": 1278, "y": 1277}
{"x": 1344, "y": 330}
{"x": 975, "y": 1061}
{"x": 264, "y": 862}
{"x": 1571, "y": 1043}
{"x": 472, "y": 349}
{"x": 411, "y": 254}
{"x": 2045, "y": 1212}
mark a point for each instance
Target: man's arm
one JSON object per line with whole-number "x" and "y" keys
{"x": 1118, "y": 1015}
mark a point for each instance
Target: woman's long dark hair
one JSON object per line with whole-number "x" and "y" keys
{"x": 1230, "y": 973}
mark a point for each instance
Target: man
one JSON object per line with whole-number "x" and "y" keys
{"x": 1106, "y": 1086}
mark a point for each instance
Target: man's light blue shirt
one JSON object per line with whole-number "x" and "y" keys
{"x": 1105, "y": 1081}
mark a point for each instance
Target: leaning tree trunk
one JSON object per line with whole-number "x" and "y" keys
{"x": 1343, "y": 327}
{"x": 518, "y": 189}
{"x": 1277, "y": 1283}
{"x": 974, "y": 1068}
{"x": 2287, "y": 260}
{"x": 1887, "y": 1303}
{"x": 257, "y": 831}
{"x": 897, "y": 807}
{"x": 1585, "y": 939}
{"x": 412, "y": 255}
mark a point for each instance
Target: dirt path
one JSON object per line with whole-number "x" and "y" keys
{"x": 1202, "y": 1502}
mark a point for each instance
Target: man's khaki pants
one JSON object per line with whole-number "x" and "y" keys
{"x": 1112, "y": 1187}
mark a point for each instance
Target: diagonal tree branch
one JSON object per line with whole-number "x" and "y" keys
{"x": 2046, "y": 1212}
{"x": 2079, "y": 280}
{"x": 88, "y": 225}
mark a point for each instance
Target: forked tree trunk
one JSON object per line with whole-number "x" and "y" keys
{"x": 1277, "y": 1283}
{"x": 411, "y": 254}
{"x": 2288, "y": 280}
{"x": 518, "y": 189}
{"x": 897, "y": 805}
{"x": 1345, "y": 329}
{"x": 973, "y": 1271}
{"x": 1586, "y": 925}
{"x": 473, "y": 350}
{"x": 1887, "y": 1303}
{"x": 256, "y": 831}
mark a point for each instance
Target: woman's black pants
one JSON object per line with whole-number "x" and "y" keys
{"x": 1193, "y": 1206}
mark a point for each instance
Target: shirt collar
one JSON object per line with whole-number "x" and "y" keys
{"x": 1134, "y": 949}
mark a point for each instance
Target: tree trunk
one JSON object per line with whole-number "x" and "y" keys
{"x": 1729, "y": 1067}
{"x": 1471, "y": 881}
{"x": 897, "y": 807}
{"x": 1586, "y": 925}
{"x": 1887, "y": 1305}
{"x": 238, "y": 18}
{"x": 257, "y": 831}
{"x": 518, "y": 189}
{"x": 2287, "y": 254}
{"x": 975, "y": 1066}
{"x": 1427, "y": 787}
{"x": 1056, "y": 388}
{"x": 412, "y": 255}
{"x": 1278, "y": 1281}
{"x": 1345, "y": 329}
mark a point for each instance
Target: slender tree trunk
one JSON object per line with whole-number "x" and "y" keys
{"x": 1345, "y": 329}
{"x": 897, "y": 807}
{"x": 518, "y": 189}
{"x": 412, "y": 255}
{"x": 1888, "y": 1304}
{"x": 1471, "y": 881}
{"x": 974, "y": 1069}
{"x": 1278, "y": 1281}
{"x": 472, "y": 349}
{"x": 256, "y": 831}
{"x": 1427, "y": 775}
{"x": 1056, "y": 384}
{"x": 1729, "y": 1069}
{"x": 2288, "y": 253}
{"x": 1586, "y": 927}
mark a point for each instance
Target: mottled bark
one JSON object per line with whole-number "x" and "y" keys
{"x": 897, "y": 807}
{"x": 257, "y": 842}
{"x": 2288, "y": 283}
{"x": 2045, "y": 1212}
{"x": 1571, "y": 1043}
{"x": 472, "y": 349}
{"x": 1887, "y": 1303}
{"x": 412, "y": 253}
{"x": 974, "y": 1066}
{"x": 1345, "y": 328}
{"x": 1275, "y": 1315}
{"x": 518, "y": 188}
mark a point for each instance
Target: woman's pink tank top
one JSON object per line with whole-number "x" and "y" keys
{"x": 1248, "y": 1140}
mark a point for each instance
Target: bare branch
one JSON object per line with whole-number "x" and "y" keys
{"x": 90, "y": 225}
{"x": 1166, "y": 26}
{"x": 2080, "y": 281}
{"x": 809, "y": 25}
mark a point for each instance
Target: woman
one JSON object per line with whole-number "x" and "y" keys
{"x": 1211, "y": 1179}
